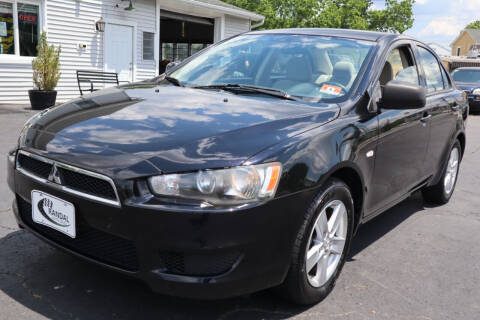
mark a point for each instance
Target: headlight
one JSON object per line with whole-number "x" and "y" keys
{"x": 476, "y": 92}
{"x": 233, "y": 186}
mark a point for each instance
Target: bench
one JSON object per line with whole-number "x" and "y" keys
{"x": 95, "y": 77}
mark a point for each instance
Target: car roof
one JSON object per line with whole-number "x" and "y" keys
{"x": 341, "y": 33}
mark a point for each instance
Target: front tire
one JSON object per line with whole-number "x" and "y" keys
{"x": 443, "y": 190}
{"x": 321, "y": 246}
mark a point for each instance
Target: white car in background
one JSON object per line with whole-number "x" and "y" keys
{"x": 474, "y": 51}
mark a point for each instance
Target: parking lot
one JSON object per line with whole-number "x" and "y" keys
{"x": 413, "y": 262}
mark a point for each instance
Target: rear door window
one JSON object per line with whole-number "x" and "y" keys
{"x": 446, "y": 80}
{"x": 431, "y": 67}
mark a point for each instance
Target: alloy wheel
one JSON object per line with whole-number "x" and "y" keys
{"x": 326, "y": 243}
{"x": 452, "y": 171}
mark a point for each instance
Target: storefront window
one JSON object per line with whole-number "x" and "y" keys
{"x": 7, "y": 44}
{"x": 20, "y": 20}
{"x": 167, "y": 51}
{"x": 28, "y": 27}
{"x": 178, "y": 52}
{"x": 181, "y": 52}
{"x": 196, "y": 47}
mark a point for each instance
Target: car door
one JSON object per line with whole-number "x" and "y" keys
{"x": 443, "y": 108}
{"x": 402, "y": 139}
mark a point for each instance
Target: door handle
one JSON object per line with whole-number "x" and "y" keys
{"x": 426, "y": 118}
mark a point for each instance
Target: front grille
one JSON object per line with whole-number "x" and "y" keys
{"x": 37, "y": 167}
{"x": 81, "y": 182}
{"x": 90, "y": 242}
{"x": 87, "y": 184}
{"x": 197, "y": 264}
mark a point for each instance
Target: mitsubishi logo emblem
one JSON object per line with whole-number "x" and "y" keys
{"x": 54, "y": 176}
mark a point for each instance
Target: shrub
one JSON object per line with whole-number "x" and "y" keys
{"x": 46, "y": 66}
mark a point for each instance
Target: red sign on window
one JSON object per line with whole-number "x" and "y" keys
{"x": 27, "y": 18}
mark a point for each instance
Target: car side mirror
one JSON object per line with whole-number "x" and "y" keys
{"x": 402, "y": 95}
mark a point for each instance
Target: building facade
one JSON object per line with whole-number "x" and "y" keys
{"x": 465, "y": 41}
{"x": 139, "y": 37}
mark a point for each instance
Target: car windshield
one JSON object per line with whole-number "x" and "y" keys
{"x": 465, "y": 75}
{"x": 312, "y": 68}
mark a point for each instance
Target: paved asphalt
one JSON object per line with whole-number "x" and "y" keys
{"x": 413, "y": 262}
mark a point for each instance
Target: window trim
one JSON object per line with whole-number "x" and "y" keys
{"x": 459, "y": 49}
{"x": 17, "y": 58}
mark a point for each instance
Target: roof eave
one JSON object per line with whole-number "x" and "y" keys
{"x": 231, "y": 11}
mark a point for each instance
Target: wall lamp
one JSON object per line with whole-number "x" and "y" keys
{"x": 100, "y": 25}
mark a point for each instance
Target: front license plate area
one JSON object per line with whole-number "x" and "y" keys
{"x": 54, "y": 213}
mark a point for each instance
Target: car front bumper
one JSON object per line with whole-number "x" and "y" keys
{"x": 206, "y": 255}
{"x": 474, "y": 103}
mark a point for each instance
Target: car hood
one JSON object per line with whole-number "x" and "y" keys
{"x": 465, "y": 86}
{"x": 164, "y": 128}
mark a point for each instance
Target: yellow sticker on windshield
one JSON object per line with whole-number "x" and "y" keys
{"x": 331, "y": 89}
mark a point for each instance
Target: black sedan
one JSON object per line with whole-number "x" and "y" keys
{"x": 468, "y": 79}
{"x": 248, "y": 166}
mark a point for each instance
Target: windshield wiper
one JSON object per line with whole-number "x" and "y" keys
{"x": 175, "y": 81}
{"x": 240, "y": 87}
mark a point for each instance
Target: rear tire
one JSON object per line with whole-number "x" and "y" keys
{"x": 443, "y": 190}
{"x": 323, "y": 240}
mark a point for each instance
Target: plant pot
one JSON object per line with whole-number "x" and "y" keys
{"x": 40, "y": 99}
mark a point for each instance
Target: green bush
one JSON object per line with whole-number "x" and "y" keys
{"x": 46, "y": 66}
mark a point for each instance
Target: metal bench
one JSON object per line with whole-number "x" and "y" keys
{"x": 95, "y": 77}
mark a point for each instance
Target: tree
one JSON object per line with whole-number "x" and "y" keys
{"x": 46, "y": 65}
{"x": 473, "y": 25}
{"x": 397, "y": 16}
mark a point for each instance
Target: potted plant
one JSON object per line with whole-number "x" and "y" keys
{"x": 46, "y": 74}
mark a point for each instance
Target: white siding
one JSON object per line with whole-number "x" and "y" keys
{"x": 61, "y": 31}
{"x": 71, "y": 22}
{"x": 234, "y": 26}
{"x": 15, "y": 81}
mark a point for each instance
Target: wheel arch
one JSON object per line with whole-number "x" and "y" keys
{"x": 463, "y": 143}
{"x": 351, "y": 176}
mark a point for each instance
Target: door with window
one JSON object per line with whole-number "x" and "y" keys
{"x": 443, "y": 108}
{"x": 119, "y": 51}
{"x": 403, "y": 137}
{"x": 23, "y": 18}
